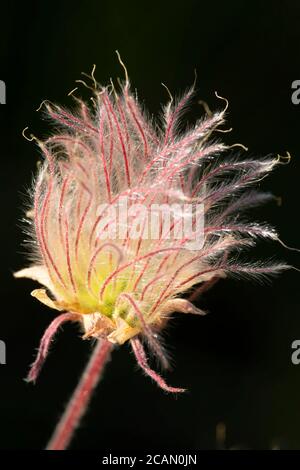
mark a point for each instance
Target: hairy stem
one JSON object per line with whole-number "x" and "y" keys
{"x": 79, "y": 401}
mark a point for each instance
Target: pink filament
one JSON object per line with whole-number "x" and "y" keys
{"x": 153, "y": 343}
{"x": 143, "y": 363}
{"x": 45, "y": 344}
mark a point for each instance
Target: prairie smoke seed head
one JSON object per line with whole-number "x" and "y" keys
{"x": 121, "y": 271}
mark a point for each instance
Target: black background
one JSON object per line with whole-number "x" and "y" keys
{"x": 236, "y": 361}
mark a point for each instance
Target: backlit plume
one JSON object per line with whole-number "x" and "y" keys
{"x": 125, "y": 286}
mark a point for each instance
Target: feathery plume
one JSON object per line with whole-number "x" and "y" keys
{"x": 103, "y": 249}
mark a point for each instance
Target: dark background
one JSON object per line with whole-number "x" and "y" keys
{"x": 236, "y": 361}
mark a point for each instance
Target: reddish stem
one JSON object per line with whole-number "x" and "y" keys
{"x": 79, "y": 401}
